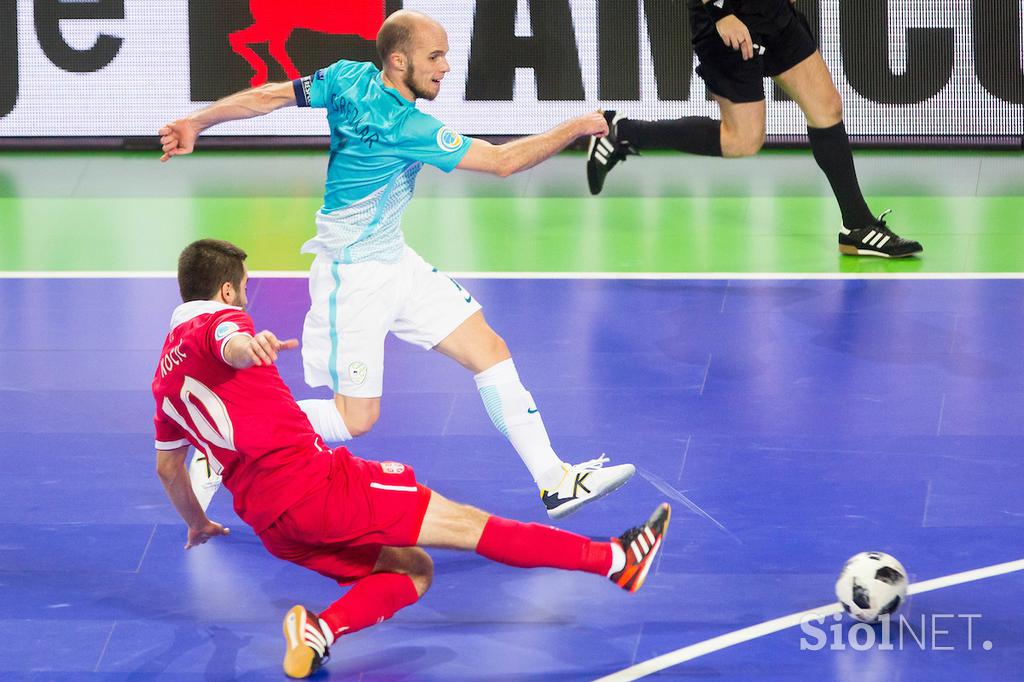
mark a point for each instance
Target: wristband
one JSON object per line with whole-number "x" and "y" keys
{"x": 719, "y": 9}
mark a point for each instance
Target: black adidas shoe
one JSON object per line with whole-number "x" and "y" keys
{"x": 306, "y": 647}
{"x": 605, "y": 152}
{"x": 641, "y": 545}
{"x": 876, "y": 240}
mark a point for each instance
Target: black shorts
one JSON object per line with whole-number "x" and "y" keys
{"x": 774, "y": 24}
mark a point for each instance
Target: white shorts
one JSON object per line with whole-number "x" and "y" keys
{"x": 354, "y": 306}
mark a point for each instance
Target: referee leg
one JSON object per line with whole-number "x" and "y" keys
{"x": 743, "y": 127}
{"x": 810, "y": 85}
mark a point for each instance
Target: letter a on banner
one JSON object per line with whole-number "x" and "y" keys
{"x": 497, "y": 51}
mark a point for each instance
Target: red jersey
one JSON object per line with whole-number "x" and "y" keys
{"x": 246, "y": 421}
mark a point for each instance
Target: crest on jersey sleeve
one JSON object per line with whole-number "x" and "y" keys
{"x": 224, "y": 329}
{"x": 392, "y": 467}
{"x": 448, "y": 140}
{"x": 357, "y": 372}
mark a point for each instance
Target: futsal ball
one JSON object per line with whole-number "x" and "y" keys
{"x": 872, "y": 585}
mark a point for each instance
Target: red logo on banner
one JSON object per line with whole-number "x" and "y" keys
{"x": 274, "y": 21}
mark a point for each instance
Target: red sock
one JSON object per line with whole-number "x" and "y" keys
{"x": 531, "y": 545}
{"x": 371, "y": 600}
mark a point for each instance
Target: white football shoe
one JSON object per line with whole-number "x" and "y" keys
{"x": 583, "y": 483}
{"x": 204, "y": 482}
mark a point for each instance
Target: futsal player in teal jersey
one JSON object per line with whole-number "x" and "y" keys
{"x": 365, "y": 280}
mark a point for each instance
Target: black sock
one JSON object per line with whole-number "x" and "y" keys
{"x": 831, "y": 147}
{"x": 692, "y": 134}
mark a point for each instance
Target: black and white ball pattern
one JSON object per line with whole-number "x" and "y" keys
{"x": 872, "y": 585}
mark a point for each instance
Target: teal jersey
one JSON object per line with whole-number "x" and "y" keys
{"x": 379, "y": 143}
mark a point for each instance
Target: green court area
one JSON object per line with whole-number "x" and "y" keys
{"x": 661, "y": 213}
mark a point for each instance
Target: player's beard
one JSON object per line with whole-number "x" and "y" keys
{"x": 410, "y": 82}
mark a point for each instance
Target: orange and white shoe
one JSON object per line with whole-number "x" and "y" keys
{"x": 641, "y": 545}
{"x": 306, "y": 646}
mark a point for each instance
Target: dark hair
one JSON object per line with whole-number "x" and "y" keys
{"x": 394, "y": 36}
{"x": 205, "y": 265}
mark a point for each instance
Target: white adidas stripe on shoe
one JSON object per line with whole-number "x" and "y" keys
{"x": 306, "y": 645}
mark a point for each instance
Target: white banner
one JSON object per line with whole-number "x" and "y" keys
{"x": 125, "y": 67}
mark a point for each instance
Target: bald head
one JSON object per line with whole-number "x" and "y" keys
{"x": 412, "y": 49}
{"x": 398, "y": 32}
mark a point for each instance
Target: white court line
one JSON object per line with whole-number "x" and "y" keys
{"x": 714, "y": 276}
{"x": 688, "y": 653}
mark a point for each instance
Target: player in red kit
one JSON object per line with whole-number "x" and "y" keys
{"x": 356, "y": 521}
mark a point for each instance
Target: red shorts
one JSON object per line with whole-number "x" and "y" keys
{"x": 339, "y": 530}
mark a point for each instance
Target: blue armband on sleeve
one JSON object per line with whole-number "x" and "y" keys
{"x": 302, "y": 86}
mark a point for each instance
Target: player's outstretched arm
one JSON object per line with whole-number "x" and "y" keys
{"x": 180, "y": 136}
{"x": 512, "y": 157}
{"x": 243, "y": 351}
{"x": 170, "y": 467}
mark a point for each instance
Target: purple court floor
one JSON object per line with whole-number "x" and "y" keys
{"x": 791, "y": 424}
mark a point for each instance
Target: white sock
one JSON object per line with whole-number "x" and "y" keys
{"x": 326, "y": 421}
{"x": 514, "y": 413}
{"x": 618, "y": 559}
